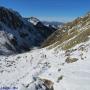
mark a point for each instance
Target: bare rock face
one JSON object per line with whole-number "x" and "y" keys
{"x": 10, "y": 18}
{"x": 48, "y": 84}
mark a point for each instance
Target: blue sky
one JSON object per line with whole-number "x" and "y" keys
{"x": 51, "y": 10}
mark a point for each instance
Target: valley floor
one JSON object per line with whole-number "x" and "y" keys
{"x": 20, "y": 70}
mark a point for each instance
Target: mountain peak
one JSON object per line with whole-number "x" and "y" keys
{"x": 33, "y": 20}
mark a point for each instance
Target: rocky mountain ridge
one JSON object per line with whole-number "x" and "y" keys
{"x": 19, "y": 35}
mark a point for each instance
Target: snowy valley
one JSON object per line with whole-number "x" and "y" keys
{"x": 27, "y": 71}
{"x": 61, "y": 62}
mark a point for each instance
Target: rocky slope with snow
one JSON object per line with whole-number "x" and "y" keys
{"x": 43, "y": 29}
{"x": 71, "y": 33}
{"x": 17, "y": 34}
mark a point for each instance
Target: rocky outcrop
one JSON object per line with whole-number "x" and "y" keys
{"x": 39, "y": 84}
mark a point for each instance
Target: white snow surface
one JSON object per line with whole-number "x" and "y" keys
{"x": 20, "y": 70}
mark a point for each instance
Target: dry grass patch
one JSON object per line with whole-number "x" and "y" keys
{"x": 71, "y": 60}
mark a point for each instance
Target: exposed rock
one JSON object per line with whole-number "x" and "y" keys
{"x": 40, "y": 84}
{"x": 71, "y": 60}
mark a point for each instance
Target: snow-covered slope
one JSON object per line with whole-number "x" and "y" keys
{"x": 65, "y": 70}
